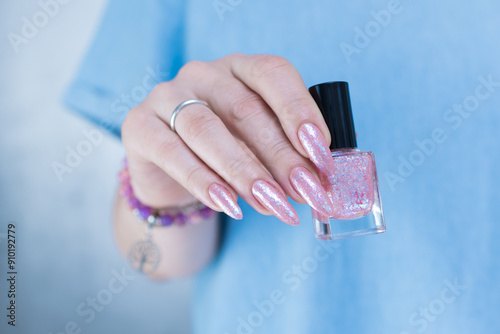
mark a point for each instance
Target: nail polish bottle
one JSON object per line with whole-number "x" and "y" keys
{"x": 353, "y": 188}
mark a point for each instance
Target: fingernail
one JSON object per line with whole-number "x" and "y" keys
{"x": 311, "y": 190}
{"x": 275, "y": 202}
{"x": 316, "y": 147}
{"x": 225, "y": 201}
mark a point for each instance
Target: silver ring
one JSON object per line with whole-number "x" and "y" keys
{"x": 179, "y": 108}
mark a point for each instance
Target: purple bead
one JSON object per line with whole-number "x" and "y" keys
{"x": 206, "y": 212}
{"x": 166, "y": 220}
{"x": 181, "y": 219}
{"x": 144, "y": 212}
{"x": 133, "y": 203}
{"x": 195, "y": 217}
{"x": 126, "y": 190}
{"x": 124, "y": 176}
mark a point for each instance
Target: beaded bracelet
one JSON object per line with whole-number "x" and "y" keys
{"x": 179, "y": 216}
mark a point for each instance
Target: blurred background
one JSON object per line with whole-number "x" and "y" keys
{"x": 70, "y": 275}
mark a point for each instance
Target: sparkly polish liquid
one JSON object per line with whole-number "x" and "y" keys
{"x": 351, "y": 187}
{"x": 354, "y": 192}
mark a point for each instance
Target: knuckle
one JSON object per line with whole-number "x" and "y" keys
{"x": 235, "y": 168}
{"x": 135, "y": 123}
{"x": 280, "y": 151}
{"x": 243, "y": 108}
{"x": 168, "y": 150}
{"x": 230, "y": 58}
{"x": 295, "y": 107}
{"x": 264, "y": 65}
{"x": 191, "y": 178}
{"x": 192, "y": 70}
{"x": 267, "y": 133}
{"x": 199, "y": 127}
{"x": 233, "y": 56}
{"x": 162, "y": 89}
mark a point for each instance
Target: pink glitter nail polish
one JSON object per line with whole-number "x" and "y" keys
{"x": 353, "y": 186}
{"x": 225, "y": 201}
{"x": 316, "y": 147}
{"x": 275, "y": 202}
{"x": 311, "y": 190}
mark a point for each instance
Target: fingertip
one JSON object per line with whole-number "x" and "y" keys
{"x": 275, "y": 202}
{"x": 224, "y": 200}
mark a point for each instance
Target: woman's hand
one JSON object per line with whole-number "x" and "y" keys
{"x": 254, "y": 141}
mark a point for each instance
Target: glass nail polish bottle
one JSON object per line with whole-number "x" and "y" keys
{"x": 353, "y": 188}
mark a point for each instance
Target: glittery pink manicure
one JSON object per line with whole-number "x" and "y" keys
{"x": 316, "y": 147}
{"x": 311, "y": 190}
{"x": 225, "y": 201}
{"x": 275, "y": 202}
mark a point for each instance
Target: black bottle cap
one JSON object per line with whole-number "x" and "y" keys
{"x": 333, "y": 100}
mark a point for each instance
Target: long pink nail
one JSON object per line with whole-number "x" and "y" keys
{"x": 311, "y": 190}
{"x": 225, "y": 201}
{"x": 315, "y": 145}
{"x": 275, "y": 202}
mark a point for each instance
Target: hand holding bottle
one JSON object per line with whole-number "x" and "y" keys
{"x": 256, "y": 139}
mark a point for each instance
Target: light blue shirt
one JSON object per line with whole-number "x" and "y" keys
{"x": 425, "y": 89}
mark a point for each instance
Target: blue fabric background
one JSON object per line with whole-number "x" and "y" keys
{"x": 407, "y": 85}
